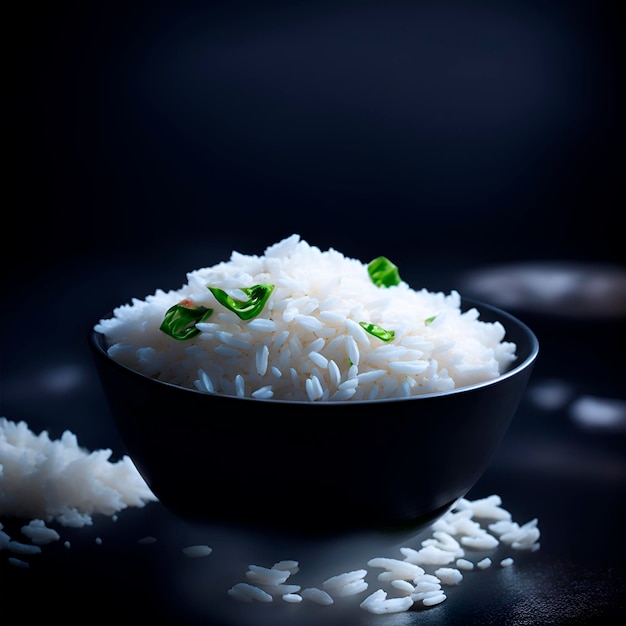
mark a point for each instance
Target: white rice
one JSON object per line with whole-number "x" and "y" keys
{"x": 57, "y": 480}
{"x": 404, "y": 587}
{"x": 23, "y": 548}
{"x": 437, "y": 598}
{"x": 379, "y": 604}
{"x": 39, "y": 534}
{"x": 429, "y": 555}
{"x": 449, "y": 575}
{"x": 292, "y": 598}
{"x": 518, "y": 537}
{"x": 410, "y": 585}
{"x": 348, "y": 584}
{"x": 267, "y": 576}
{"x": 396, "y": 569}
{"x": 319, "y": 596}
{"x": 307, "y": 342}
{"x": 197, "y": 551}
{"x": 248, "y": 592}
{"x": 292, "y": 566}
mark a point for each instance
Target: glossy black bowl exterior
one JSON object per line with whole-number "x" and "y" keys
{"x": 314, "y": 467}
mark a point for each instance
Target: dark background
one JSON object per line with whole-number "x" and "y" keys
{"x": 456, "y": 132}
{"x": 148, "y": 139}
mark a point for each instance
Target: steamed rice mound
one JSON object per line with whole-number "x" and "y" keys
{"x": 307, "y": 342}
{"x": 59, "y": 480}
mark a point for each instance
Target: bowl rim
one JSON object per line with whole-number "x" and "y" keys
{"x": 96, "y": 341}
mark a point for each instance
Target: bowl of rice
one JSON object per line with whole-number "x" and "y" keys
{"x": 307, "y": 392}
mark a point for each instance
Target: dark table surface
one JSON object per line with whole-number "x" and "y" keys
{"x": 568, "y": 474}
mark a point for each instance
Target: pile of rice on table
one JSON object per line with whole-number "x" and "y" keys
{"x": 299, "y": 323}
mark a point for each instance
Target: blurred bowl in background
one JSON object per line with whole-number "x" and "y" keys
{"x": 576, "y": 309}
{"x": 566, "y": 289}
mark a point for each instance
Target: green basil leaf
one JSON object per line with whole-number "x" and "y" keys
{"x": 181, "y": 319}
{"x": 378, "y": 331}
{"x": 245, "y": 309}
{"x": 383, "y": 272}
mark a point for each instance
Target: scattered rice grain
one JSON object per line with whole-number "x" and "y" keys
{"x": 197, "y": 551}
{"x": 319, "y": 596}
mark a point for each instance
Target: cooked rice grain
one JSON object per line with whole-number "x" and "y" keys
{"x": 410, "y": 583}
{"x": 58, "y": 480}
{"x": 310, "y": 325}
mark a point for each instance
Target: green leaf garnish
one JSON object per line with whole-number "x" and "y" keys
{"x": 383, "y": 272}
{"x": 245, "y": 309}
{"x": 430, "y": 320}
{"x": 181, "y": 319}
{"x": 378, "y": 331}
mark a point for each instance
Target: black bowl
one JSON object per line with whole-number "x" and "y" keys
{"x": 314, "y": 467}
